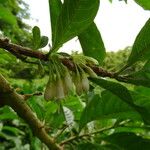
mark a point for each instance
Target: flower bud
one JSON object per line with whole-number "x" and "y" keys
{"x": 50, "y": 91}
{"x": 78, "y": 84}
{"x": 85, "y": 83}
{"x": 68, "y": 82}
{"x": 91, "y": 60}
{"x": 90, "y": 72}
{"x": 59, "y": 89}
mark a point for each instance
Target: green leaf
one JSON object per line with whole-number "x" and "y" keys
{"x": 36, "y": 37}
{"x": 44, "y": 41}
{"x": 128, "y": 141}
{"x": 138, "y": 78}
{"x": 132, "y": 129}
{"x": 89, "y": 146}
{"x": 74, "y": 104}
{"x": 141, "y": 46}
{"x": 141, "y": 96}
{"x": 106, "y": 106}
{"x": 55, "y": 9}
{"x": 8, "y": 116}
{"x": 7, "y": 16}
{"x": 141, "y": 77}
{"x": 116, "y": 88}
{"x": 144, "y": 3}
{"x": 92, "y": 43}
{"x": 37, "y": 108}
{"x": 123, "y": 93}
{"x": 75, "y": 16}
{"x": 12, "y": 130}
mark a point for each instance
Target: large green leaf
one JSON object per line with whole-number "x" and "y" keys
{"x": 144, "y": 3}
{"x": 128, "y": 141}
{"x": 106, "y": 106}
{"x": 123, "y": 93}
{"x": 92, "y": 43}
{"x": 55, "y": 8}
{"x": 141, "y": 77}
{"x": 7, "y": 16}
{"x": 141, "y": 47}
{"x": 141, "y": 96}
{"x": 75, "y": 16}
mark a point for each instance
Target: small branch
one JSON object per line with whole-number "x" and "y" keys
{"x": 8, "y": 96}
{"x": 84, "y": 135}
{"x": 27, "y": 96}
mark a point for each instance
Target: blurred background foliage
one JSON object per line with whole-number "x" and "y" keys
{"x": 12, "y": 24}
{"x": 15, "y": 134}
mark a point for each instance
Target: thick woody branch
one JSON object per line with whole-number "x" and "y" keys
{"x": 8, "y": 96}
{"x": 23, "y": 52}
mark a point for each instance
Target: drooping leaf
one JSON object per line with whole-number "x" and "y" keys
{"x": 7, "y": 16}
{"x": 36, "y": 37}
{"x": 44, "y": 41}
{"x": 144, "y": 3}
{"x": 123, "y": 93}
{"x": 92, "y": 43}
{"x": 55, "y": 9}
{"x": 75, "y": 16}
{"x": 106, "y": 106}
{"x": 141, "y": 46}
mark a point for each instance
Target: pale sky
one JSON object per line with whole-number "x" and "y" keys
{"x": 119, "y": 23}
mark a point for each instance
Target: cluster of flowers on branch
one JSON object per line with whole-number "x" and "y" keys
{"x": 63, "y": 81}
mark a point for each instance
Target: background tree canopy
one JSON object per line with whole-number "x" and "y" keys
{"x": 95, "y": 100}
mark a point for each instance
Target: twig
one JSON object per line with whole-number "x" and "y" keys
{"x": 27, "y": 96}
{"x": 84, "y": 135}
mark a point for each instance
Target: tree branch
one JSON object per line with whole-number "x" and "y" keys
{"x": 19, "y": 50}
{"x": 23, "y": 52}
{"x": 8, "y": 96}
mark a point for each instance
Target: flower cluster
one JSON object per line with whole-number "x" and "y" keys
{"x": 63, "y": 81}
